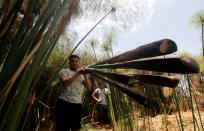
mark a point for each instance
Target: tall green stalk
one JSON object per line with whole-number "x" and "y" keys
{"x": 198, "y": 111}
{"x": 202, "y": 35}
{"x": 179, "y": 111}
{"x": 14, "y": 116}
{"x": 191, "y": 102}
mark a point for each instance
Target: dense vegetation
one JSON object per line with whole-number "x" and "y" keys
{"x": 35, "y": 45}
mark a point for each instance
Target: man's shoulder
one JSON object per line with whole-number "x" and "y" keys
{"x": 65, "y": 70}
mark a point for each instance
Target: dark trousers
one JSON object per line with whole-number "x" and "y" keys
{"x": 103, "y": 114}
{"x": 68, "y": 116}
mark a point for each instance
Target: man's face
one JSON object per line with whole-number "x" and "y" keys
{"x": 74, "y": 63}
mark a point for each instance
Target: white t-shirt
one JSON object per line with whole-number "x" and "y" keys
{"x": 102, "y": 94}
{"x": 71, "y": 93}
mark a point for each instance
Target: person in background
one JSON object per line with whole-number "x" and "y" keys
{"x": 69, "y": 106}
{"x": 100, "y": 95}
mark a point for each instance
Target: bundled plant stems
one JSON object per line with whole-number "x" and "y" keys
{"x": 129, "y": 60}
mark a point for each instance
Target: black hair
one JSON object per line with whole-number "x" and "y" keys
{"x": 74, "y": 56}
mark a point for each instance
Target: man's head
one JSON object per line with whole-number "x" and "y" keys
{"x": 74, "y": 62}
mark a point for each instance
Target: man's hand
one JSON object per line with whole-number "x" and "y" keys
{"x": 83, "y": 70}
{"x": 64, "y": 78}
{"x": 86, "y": 82}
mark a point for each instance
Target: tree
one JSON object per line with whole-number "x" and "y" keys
{"x": 93, "y": 42}
{"x": 198, "y": 21}
{"x": 109, "y": 39}
{"x": 106, "y": 47}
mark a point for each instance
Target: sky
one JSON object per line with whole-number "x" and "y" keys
{"x": 162, "y": 19}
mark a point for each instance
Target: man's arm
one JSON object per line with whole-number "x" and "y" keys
{"x": 86, "y": 82}
{"x": 68, "y": 80}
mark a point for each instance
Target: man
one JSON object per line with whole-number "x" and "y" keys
{"x": 100, "y": 95}
{"x": 69, "y": 107}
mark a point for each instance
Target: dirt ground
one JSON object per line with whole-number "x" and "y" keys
{"x": 159, "y": 123}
